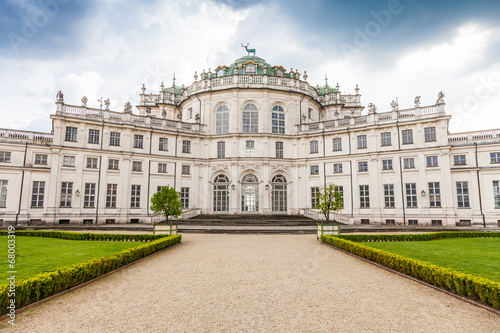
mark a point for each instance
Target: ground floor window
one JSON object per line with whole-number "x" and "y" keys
{"x": 411, "y": 195}
{"x": 89, "y": 197}
{"x": 38, "y": 194}
{"x": 279, "y": 194}
{"x": 389, "y": 196}
{"x": 364, "y": 196}
{"x": 221, "y": 194}
{"x": 185, "y": 197}
{"x": 111, "y": 193}
{"x": 463, "y": 194}
{"x": 250, "y": 193}
{"x": 314, "y": 197}
{"x": 135, "y": 197}
{"x": 496, "y": 193}
{"x": 66, "y": 193}
{"x": 3, "y": 193}
{"x": 434, "y": 195}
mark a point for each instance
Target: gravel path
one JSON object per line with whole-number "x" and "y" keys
{"x": 269, "y": 283}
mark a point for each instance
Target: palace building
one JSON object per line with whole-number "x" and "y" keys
{"x": 250, "y": 138}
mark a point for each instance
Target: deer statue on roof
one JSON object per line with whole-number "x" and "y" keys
{"x": 248, "y": 50}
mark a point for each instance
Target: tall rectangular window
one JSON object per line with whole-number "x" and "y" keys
{"x": 386, "y": 164}
{"x": 409, "y": 163}
{"x": 337, "y": 144}
{"x": 314, "y": 197}
{"x": 186, "y": 169}
{"x": 337, "y": 168}
{"x": 3, "y": 193}
{"x": 411, "y": 195}
{"x": 364, "y": 196}
{"x": 385, "y": 139}
{"x": 495, "y": 157}
{"x": 89, "y": 196}
{"x": 221, "y": 149}
{"x": 389, "y": 196}
{"x": 363, "y": 166}
{"x": 459, "y": 160}
{"x": 279, "y": 149}
{"x": 136, "y": 166}
{"x": 94, "y": 135}
{"x": 434, "y": 195}
{"x": 114, "y": 138}
{"x": 162, "y": 167}
{"x": 41, "y": 159}
{"x": 407, "y": 136}
{"x": 92, "y": 162}
{"x": 463, "y": 194}
{"x": 66, "y": 194}
{"x": 38, "y": 194}
{"x": 69, "y": 161}
{"x": 135, "y": 197}
{"x": 340, "y": 189}
{"x": 430, "y": 134}
{"x": 186, "y": 146}
{"x": 314, "y": 169}
{"x": 5, "y": 156}
{"x": 185, "y": 197}
{"x": 250, "y": 149}
{"x": 432, "y": 161}
{"x": 362, "y": 142}
{"x": 71, "y": 133}
{"x": 313, "y": 147}
{"x": 138, "y": 141}
{"x": 113, "y": 164}
{"x": 496, "y": 193}
{"x": 111, "y": 194}
{"x": 163, "y": 144}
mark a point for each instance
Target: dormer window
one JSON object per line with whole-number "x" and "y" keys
{"x": 220, "y": 72}
{"x": 250, "y": 69}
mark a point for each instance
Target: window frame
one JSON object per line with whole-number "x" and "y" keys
{"x": 463, "y": 199}
{"x": 430, "y": 134}
{"x": 385, "y": 139}
{"x": 407, "y": 136}
{"x": 186, "y": 146}
{"x": 89, "y": 195}
{"x": 66, "y": 194}
{"x": 337, "y": 144}
{"x": 314, "y": 169}
{"x": 411, "y": 195}
{"x": 114, "y": 139}
{"x": 364, "y": 196}
{"x": 434, "y": 189}
{"x": 94, "y": 136}
{"x": 389, "y": 196}
{"x": 138, "y": 141}
{"x": 362, "y": 143}
{"x": 135, "y": 196}
{"x": 71, "y": 134}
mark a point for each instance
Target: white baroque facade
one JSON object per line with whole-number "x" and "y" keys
{"x": 250, "y": 138}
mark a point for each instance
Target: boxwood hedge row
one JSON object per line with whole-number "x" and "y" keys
{"x": 473, "y": 287}
{"x": 86, "y": 236}
{"x": 418, "y": 237}
{"x": 47, "y": 284}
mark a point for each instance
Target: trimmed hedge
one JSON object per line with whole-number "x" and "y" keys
{"x": 85, "y": 236}
{"x": 47, "y": 284}
{"x": 419, "y": 237}
{"x": 467, "y": 285}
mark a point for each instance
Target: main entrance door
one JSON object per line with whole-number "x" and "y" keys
{"x": 250, "y": 194}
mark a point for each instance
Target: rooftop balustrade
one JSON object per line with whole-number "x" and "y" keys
{"x": 25, "y": 136}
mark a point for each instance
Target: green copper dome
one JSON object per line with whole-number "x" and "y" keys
{"x": 250, "y": 65}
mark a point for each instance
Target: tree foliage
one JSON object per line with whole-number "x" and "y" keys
{"x": 330, "y": 200}
{"x": 167, "y": 202}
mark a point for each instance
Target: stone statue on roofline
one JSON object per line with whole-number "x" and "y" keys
{"x": 106, "y": 102}
{"x": 417, "y": 101}
{"x": 164, "y": 113}
{"x": 127, "y": 108}
{"x": 440, "y": 99}
{"x": 179, "y": 115}
{"x": 148, "y": 110}
{"x": 372, "y": 108}
{"x": 60, "y": 96}
{"x": 394, "y": 105}
{"x": 84, "y": 101}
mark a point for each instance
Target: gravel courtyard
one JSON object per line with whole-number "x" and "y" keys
{"x": 246, "y": 283}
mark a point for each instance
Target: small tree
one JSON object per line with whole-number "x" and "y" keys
{"x": 330, "y": 200}
{"x": 167, "y": 202}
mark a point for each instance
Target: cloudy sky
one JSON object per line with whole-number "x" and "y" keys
{"x": 109, "y": 48}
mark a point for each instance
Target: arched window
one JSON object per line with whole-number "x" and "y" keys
{"x": 220, "y": 72}
{"x": 250, "y": 194}
{"x": 222, "y": 120}
{"x": 249, "y": 69}
{"x": 278, "y": 120}
{"x": 278, "y": 194}
{"x": 221, "y": 194}
{"x": 250, "y": 119}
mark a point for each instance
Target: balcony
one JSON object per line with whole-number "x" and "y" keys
{"x": 7, "y": 135}
{"x": 469, "y": 138}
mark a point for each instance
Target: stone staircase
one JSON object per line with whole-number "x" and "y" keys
{"x": 245, "y": 220}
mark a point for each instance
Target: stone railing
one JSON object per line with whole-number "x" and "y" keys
{"x": 128, "y": 118}
{"x": 373, "y": 119}
{"x": 334, "y": 216}
{"x": 17, "y": 135}
{"x": 467, "y": 138}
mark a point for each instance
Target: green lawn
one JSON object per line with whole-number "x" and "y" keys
{"x": 476, "y": 256}
{"x": 36, "y": 255}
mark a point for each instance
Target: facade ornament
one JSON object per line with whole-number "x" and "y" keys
{"x": 394, "y": 105}
{"x": 148, "y": 110}
{"x": 143, "y": 88}
{"x": 440, "y": 99}
{"x": 305, "y": 76}
{"x": 106, "y": 102}
{"x": 303, "y": 118}
{"x": 84, "y": 101}
{"x": 100, "y": 100}
{"x": 417, "y": 101}
{"x": 321, "y": 115}
{"x": 60, "y": 96}
{"x": 337, "y": 86}
{"x": 297, "y": 75}
{"x": 372, "y": 108}
{"x": 235, "y": 69}
{"x": 195, "y": 76}
{"x": 162, "y": 86}
{"x": 353, "y": 111}
{"x": 264, "y": 69}
{"x": 127, "y": 108}
{"x": 179, "y": 115}
{"x": 203, "y": 74}
{"x": 357, "y": 89}
{"x": 164, "y": 113}
{"x": 197, "y": 117}
{"x": 336, "y": 113}
{"x": 248, "y": 50}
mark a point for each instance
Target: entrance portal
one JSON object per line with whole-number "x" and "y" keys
{"x": 250, "y": 194}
